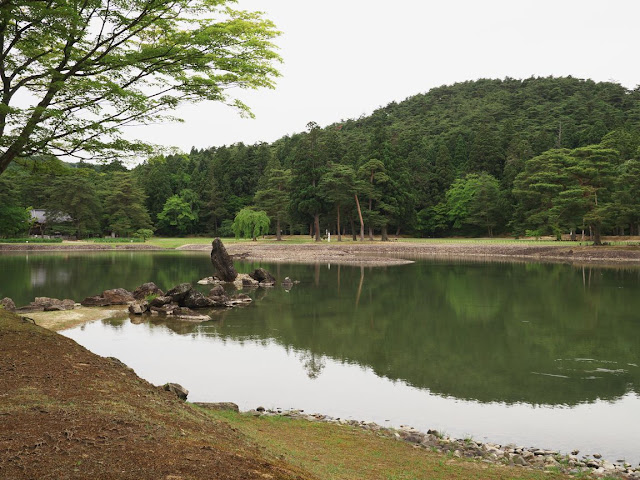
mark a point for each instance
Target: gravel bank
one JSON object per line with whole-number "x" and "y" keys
{"x": 397, "y": 253}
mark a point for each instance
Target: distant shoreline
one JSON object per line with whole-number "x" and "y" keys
{"x": 380, "y": 253}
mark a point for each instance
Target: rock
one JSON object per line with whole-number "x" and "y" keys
{"x": 118, "y": 296}
{"x": 160, "y": 301}
{"x": 217, "y": 291}
{"x": 147, "y": 289}
{"x": 262, "y": 276}
{"x": 597, "y": 455}
{"x": 46, "y": 304}
{"x": 195, "y": 299}
{"x": 518, "y": 460}
{"x": 138, "y": 307}
{"x": 222, "y": 262}
{"x": 249, "y": 282}
{"x": 179, "y": 292}
{"x": 287, "y": 282}
{"x": 260, "y": 409}
{"x": 219, "y": 406}
{"x": 8, "y": 304}
{"x": 184, "y": 313}
{"x": 95, "y": 301}
{"x": 166, "y": 309}
{"x": 239, "y": 300}
{"x": 177, "y": 389}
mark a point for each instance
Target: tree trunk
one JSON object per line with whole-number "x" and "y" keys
{"x": 398, "y": 231}
{"x": 339, "y": 231}
{"x": 353, "y": 230}
{"x": 278, "y": 235}
{"x": 596, "y": 234}
{"x": 573, "y": 235}
{"x": 370, "y": 233}
{"x": 361, "y": 221}
{"x": 316, "y": 224}
{"x": 311, "y": 230}
{"x": 385, "y": 236}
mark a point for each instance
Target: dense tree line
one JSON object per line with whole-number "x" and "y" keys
{"x": 489, "y": 157}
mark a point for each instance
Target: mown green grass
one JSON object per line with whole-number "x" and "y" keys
{"x": 332, "y": 451}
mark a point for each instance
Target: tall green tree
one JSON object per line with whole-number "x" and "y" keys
{"x": 475, "y": 201}
{"x": 92, "y": 67}
{"x": 73, "y": 198}
{"x": 176, "y": 216}
{"x": 339, "y": 185}
{"x": 273, "y": 193}
{"x": 14, "y": 218}
{"x": 309, "y": 165}
{"x": 124, "y": 207}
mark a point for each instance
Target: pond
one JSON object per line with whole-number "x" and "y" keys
{"x": 542, "y": 355}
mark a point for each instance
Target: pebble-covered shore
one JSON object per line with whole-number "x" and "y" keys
{"x": 525, "y": 457}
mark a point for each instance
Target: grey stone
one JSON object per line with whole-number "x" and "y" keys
{"x": 262, "y": 276}
{"x": 518, "y": 460}
{"x": 179, "y": 292}
{"x": 138, "y": 307}
{"x": 219, "y": 406}
{"x": 177, "y": 389}
{"x": 222, "y": 262}
{"x": 217, "y": 291}
{"x": 95, "y": 301}
{"x": 195, "y": 299}
{"x": 184, "y": 313}
{"x": 146, "y": 289}
{"x": 8, "y": 304}
{"x": 117, "y": 296}
{"x": 160, "y": 301}
{"x": 167, "y": 309}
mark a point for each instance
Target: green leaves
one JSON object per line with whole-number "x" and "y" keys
{"x": 250, "y": 223}
{"x": 95, "y": 66}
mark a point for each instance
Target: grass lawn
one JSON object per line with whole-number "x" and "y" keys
{"x": 331, "y": 451}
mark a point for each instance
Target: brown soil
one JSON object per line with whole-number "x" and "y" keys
{"x": 393, "y": 253}
{"x": 66, "y": 413}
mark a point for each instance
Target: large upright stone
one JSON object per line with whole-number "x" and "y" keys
{"x": 221, "y": 261}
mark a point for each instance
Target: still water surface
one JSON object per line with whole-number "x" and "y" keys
{"x": 532, "y": 354}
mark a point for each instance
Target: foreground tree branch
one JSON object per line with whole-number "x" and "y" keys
{"x": 74, "y": 72}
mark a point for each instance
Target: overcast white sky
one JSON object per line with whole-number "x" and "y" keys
{"x": 345, "y": 58}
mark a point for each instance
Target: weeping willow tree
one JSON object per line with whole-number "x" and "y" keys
{"x": 251, "y": 224}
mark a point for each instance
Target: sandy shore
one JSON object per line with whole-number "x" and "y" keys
{"x": 398, "y": 253}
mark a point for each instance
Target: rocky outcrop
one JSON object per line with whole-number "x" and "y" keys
{"x": 222, "y": 262}
{"x": 147, "y": 289}
{"x": 138, "y": 307}
{"x": 116, "y": 296}
{"x": 8, "y": 304}
{"x": 46, "y": 304}
{"x": 217, "y": 291}
{"x": 263, "y": 277}
{"x": 179, "y": 292}
{"x": 176, "y": 389}
{"x": 160, "y": 301}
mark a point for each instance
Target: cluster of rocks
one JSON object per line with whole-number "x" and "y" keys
{"x": 258, "y": 278}
{"x": 530, "y": 457}
{"x": 40, "y": 304}
{"x": 179, "y": 302}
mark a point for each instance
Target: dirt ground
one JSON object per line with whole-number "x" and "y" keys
{"x": 66, "y": 413}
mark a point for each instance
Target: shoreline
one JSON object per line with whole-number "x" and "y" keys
{"x": 379, "y": 253}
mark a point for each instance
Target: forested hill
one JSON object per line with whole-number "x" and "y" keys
{"x": 492, "y": 117}
{"x": 550, "y": 155}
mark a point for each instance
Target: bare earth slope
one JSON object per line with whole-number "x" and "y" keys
{"x": 66, "y": 413}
